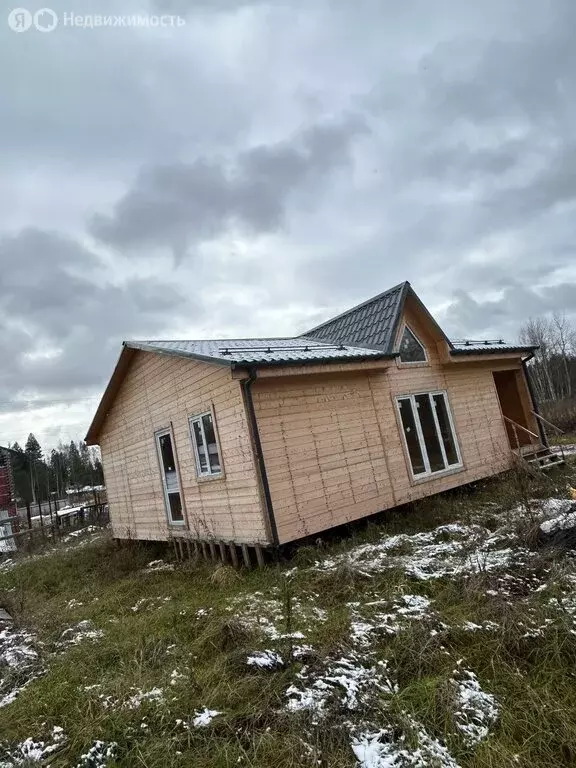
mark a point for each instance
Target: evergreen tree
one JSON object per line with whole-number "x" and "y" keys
{"x": 33, "y": 453}
{"x": 32, "y": 448}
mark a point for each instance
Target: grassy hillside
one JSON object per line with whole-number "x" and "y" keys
{"x": 442, "y": 635}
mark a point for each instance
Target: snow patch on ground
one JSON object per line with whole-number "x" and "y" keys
{"x": 31, "y": 751}
{"x": 81, "y": 532}
{"x": 265, "y": 660}
{"x": 486, "y": 626}
{"x": 156, "y": 695}
{"x": 100, "y": 754}
{"x": 19, "y": 662}
{"x": 345, "y": 683}
{"x": 449, "y": 550}
{"x": 158, "y": 565}
{"x": 135, "y": 699}
{"x": 560, "y": 523}
{"x": 365, "y": 620}
{"x": 79, "y": 633}
{"x": 149, "y": 602}
{"x": 387, "y": 749}
{"x": 204, "y": 717}
{"x": 265, "y": 613}
{"x": 476, "y": 710}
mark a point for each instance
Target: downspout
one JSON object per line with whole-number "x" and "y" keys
{"x": 533, "y": 398}
{"x": 247, "y": 387}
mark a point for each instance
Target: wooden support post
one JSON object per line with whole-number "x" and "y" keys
{"x": 188, "y": 550}
{"x": 246, "y": 555}
{"x": 233, "y": 554}
{"x": 212, "y": 550}
{"x": 204, "y": 549}
{"x": 259, "y": 555}
{"x": 222, "y": 548}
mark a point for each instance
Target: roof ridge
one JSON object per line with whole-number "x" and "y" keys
{"x": 401, "y": 286}
{"x": 212, "y": 339}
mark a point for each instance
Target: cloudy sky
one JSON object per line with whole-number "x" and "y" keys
{"x": 266, "y": 165}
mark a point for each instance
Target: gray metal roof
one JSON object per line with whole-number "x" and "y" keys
{"x": 487, "y": 347}
{"x": 268, "y": 351}
{"x": 370, "y": 324}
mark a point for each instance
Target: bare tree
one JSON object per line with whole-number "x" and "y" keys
{"x": 565, "y": 341}
{"x": 537, "y": 332}
{"x": 553, "y": 364}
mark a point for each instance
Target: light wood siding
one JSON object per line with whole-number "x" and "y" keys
{"x": 158, "y": 391}
{"x": 323, "y": 451}
{"x": 333, "y": 448}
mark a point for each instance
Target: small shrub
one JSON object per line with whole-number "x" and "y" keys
{"x": 224, "y": 576}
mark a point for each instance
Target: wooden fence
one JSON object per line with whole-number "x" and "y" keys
{"x": 31, "y": 539}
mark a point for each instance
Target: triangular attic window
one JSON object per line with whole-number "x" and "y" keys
{"x": 411, "y": 351}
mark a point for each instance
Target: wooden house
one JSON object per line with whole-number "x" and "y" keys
{"x": 266, "y": 441}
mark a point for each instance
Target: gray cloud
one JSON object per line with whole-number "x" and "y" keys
{"x": 61, "y": 321}
{"x": 174, "y": 205}
{"x": 296, "y": 158}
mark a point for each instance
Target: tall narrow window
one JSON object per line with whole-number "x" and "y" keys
{"x": 446, "y": 431}
{"x": 428, "y": 433}
{"x": 170, "y": 479}
{"x": 411, "y": 350}
{"x": 203, "y": 435}
{"x": 411, "y": 436}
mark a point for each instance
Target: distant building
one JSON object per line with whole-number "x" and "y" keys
{"x": 8, "y": 512}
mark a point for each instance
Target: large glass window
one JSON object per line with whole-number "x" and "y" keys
{"x": 170, "y": 480}
{"x": 428, "y": 433}
{"x": 411, "y": 350}
{"x": 205, "y": 445}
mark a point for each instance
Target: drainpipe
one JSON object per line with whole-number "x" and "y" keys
{"x": 533, "y": 398}
{"x": 247, "y": 386}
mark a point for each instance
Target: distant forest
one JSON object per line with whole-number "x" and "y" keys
{"x": 39, "y": 476}
{"x": 553, "y": 368}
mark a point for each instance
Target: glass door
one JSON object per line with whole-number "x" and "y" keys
{"x": 429, "y": 433}
{"x": 170, "y": 479}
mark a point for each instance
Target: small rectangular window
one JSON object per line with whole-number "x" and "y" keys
{"x": 428, "y": 433}
{"x": 206, "y": 450}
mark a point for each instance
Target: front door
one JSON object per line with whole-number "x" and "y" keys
{"x": 170, "y": 479}
{"x": 508, "y": 388}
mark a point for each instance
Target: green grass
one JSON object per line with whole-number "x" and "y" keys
{"x": 209, "y": 625}
{"x": 568, "y": 438}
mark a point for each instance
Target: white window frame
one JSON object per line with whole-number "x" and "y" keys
{"x": 208, "y": 472}
{"x": 157, "y": 435}
{"x": 419, "y": 340}
{"x": 447, "y": 467}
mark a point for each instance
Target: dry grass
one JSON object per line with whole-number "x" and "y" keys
{"x": 195, "y": 644}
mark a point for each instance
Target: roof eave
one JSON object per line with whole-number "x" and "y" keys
{"x": 140, "y": 345}
{"x": 109, "y": 394}
{"x": 310, "y": 361}
{"x": 492, "y": 351}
